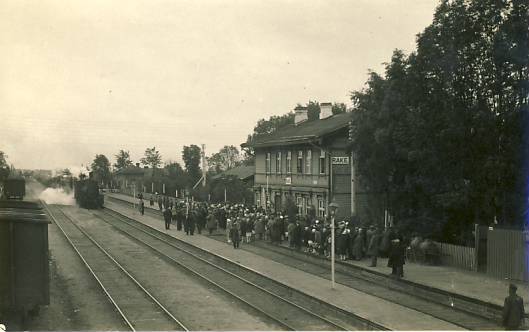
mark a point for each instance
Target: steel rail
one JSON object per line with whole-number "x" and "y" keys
{"x": 193, "y": 271}
{"x": 180, "y": 324}
{"x": 361, "y": 320}
{"x": 281, "y": 251}
{"x": 218, "y": 267}
{"x": 116, "y": 306}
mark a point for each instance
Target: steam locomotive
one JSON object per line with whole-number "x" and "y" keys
{"x": 87, "y": 195}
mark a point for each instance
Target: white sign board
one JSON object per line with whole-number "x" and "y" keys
{"x": 288, "y": 180}
{"x": 340, "y": 160}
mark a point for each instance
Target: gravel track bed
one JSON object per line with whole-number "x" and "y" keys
{"x": 348, "y": 277}
{"x": 344, "y": 319}
{"x": 190, "y": 300}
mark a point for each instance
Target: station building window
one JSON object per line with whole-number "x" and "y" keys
{"x": 322, "y": 161}
{"x": 308, "y": 162}
{"x": 299, "y": 165}
{"x": 257, "y": 199}
{"x": 299, "y": 203}
{"x": 321, "y": 207}
{"x": 268, "y": 165}
{"x": 278, "y": 162}
{"x": 289, "y": 162}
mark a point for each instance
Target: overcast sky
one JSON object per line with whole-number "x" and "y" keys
{"x": 79, "y": 78}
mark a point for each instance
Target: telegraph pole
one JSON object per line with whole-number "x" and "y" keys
{"x": 204, "y": 165}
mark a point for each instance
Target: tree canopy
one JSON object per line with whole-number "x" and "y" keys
{"x": 4, "y": 167}
{"x": 122, "y": 160}
{"x": 152, "y": 158}
{"x": 439, "y": 135}
{"x": 101, "y": 168}
{"x": 227, "y": 158}
{"x": 191, "y": 157}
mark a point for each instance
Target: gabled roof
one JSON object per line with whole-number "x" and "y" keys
{"x": 303, "y": 132}
{"x": 132, "y": 170}
{"x": 241, "y": 172}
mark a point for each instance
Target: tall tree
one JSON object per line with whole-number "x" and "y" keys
{"x": 122, "y": 160}
{"x": 313, "y": 110}
{"x": 101, "y": 168}
{"x": 338, "y": 108}
{"x": 4, "y": 166}
{"x": 466, "y": 82}
{"x": 227, "y": 158}
{"x": 176, "y": 174}
{"x": 191, "y": 157}
{"x": 152, "y": 158}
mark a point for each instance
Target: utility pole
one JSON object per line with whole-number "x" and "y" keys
{"x": 204, "y": 164}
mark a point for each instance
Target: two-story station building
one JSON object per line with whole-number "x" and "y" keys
{"x": 309, "y": 161}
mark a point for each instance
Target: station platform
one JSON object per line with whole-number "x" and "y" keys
{"x": 471, "y": 284}
{"x": 380, "y": 311}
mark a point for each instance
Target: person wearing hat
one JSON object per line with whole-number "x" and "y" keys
{"x": 141, "y": 207}
{"x": 373, "y": 247}
{"x": 513, "y": 310}
{"x": 167, "y": 217}
{"x": 396, "y": 258}
{"x": 234, "y": 235}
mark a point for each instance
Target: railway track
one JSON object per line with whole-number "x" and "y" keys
{"x": 289, "y": 307}
{"x": 138, "y": 308}
{"x": 369, "y": 284}
{"x": 467, "y": 313}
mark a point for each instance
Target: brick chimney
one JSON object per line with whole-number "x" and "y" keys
{"x": 325, "y": 110}
{"x": 301, "y": 114}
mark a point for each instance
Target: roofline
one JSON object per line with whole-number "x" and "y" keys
{"x": 293, "y": 140}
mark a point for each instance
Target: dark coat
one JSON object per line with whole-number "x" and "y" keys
{"x": 397, "y": 254}
{"x": 513, "y": 312}
{"x": 167, "y": 215}
{"x": 234, "y": 234}
{"x": 374, "y": 245}
{"x": 212, "y": 222}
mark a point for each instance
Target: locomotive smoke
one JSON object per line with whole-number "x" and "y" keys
{"x": 57, "y": 196}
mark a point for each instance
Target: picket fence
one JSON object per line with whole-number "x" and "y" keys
{"x": 458, "y": 256}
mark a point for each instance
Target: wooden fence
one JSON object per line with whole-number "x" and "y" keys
{"x": 507, "y": 254}
{"x": 458, "y": 256}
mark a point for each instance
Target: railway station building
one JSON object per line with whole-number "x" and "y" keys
{"x": 309, "y": 161}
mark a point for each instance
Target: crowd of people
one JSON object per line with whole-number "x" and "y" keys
{"x": 242, "y": 223}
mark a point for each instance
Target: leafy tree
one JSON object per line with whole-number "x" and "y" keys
{"x": 101, "y": 168}
{"x": 338, "y": 108}
{"x": 4, "y": 167}
{"x": 122, "y": 160}
{"x": 236, "y": 190}
{"x": 191, "y": 157}
{"x": 438, "y": 137}
{"x": 227, "y": 158}
{"x": 176, "y": 175}
{"x": 313, "y": 110}
{"x": 152, "y": 158}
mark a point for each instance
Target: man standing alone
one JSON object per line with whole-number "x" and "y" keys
{"x": 513, "y": 310}
{"x": 167, "y": 217}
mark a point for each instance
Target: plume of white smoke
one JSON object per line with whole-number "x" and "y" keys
{"x": 57, "y": 196}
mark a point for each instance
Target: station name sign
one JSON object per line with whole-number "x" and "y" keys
{"x": 340, "y": 160}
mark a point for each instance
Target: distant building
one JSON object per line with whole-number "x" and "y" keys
{"x": 309, "y": 161}
{"x": 129, "y": 178}
{"x": 243, "y": 173}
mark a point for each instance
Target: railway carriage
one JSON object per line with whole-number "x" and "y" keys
{"x": 14, "y": 187}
